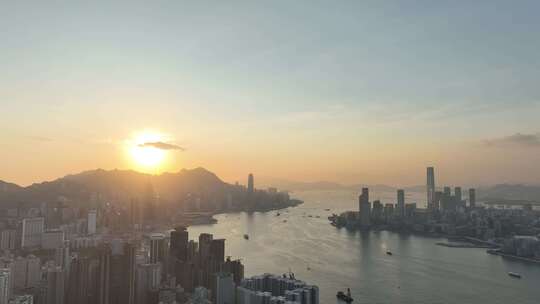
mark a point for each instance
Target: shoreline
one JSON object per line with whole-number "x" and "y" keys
{"x": 460, "y": 245}
{"x": 207, "y": 218}
{"x": 513, "y": 257}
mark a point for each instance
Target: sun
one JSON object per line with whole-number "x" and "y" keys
{"x": 145, "y": 156}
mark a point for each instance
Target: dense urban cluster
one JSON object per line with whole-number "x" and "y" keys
{"x": 60, "y": 254}
{"x": 510, "y": 231}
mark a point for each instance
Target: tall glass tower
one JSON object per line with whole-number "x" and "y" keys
{"x": 430, "y": 187}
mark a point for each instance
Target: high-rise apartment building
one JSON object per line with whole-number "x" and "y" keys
{"x": 32, "y": 231}
{"x": 472, "y": 198}
{"x": 457, "y": 194}
{"x": 158, "y": 248}
{"x": 5, "y": 286}
{"x": 401, "y": 202}
{"x": 251, "y": 184}
{"x": 364, "y": 208}
{"x": 91, "y": 222}
{"x": 225, "y": 288}
{"x": 430, "y": 187}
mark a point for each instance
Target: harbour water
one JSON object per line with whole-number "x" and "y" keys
{"x": 418, "y": 271}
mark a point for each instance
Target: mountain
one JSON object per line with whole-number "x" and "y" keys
{"x": 6, "y": 187}
{"x": 114, "y": 185}
{"x": 328, "y": 186}
{"x": 510, "y": 192}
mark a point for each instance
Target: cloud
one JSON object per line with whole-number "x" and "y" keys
{"x": 162, "y": 145}
{"x": 516, "y": 140}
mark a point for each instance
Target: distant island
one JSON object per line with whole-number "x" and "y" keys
{"x": 128, "y": 198}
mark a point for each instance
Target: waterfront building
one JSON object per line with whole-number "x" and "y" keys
{"x": 401, "y": 202}
{"x": 447, "y": 191}
{"x": 410, "y": 210}
{"x": 32, "y": 230}
{"x": 251, "y": 184}
{"x": 364, "y": 208}
{"x": 437, "y": 202}
{"x": 457, "y": 194}
{"x": 377, "y": 211}
{"x": 472, "y": 198}
{"x": 388, "y": 211}
{"x": 430, "y": 187}
{"x": 268, "y": 288}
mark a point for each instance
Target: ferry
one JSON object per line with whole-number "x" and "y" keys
{"x": 246, "y": 236}
{"x": 514, "y": 275}
{"x": 346, "y": 298}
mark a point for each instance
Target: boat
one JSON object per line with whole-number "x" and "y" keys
{"x": 514, "y": 275}
{"x": 345, "y": 297}
{"x": 388, "y": 252}
{"x": 246, "y": 236}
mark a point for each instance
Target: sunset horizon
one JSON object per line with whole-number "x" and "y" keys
{"x": 269, "y": 152}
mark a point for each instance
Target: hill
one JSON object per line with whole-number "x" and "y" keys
{"x": 114, "y": 185}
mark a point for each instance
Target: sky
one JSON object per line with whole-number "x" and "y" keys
{"x": 345, "y": 91}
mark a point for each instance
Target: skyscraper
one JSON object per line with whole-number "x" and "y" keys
{"x": 150, "y": 204}
{"x": 224, "y": 288}
{"x": 179, "y": 244}
{"x": 251, "y": 183}
{"x": 180, "y": 259}
{"x": 8, "y": 239}
{"x": 236, "y": 268}
{"x": 401, "y": 202}
{"x": 32, "y": 230}
{"x": 472, "y": 198}
{"x": 91, "y": 222}
{"x": 5, "y": 291}
{"x": 364, "y": 208}
{"x": 430, "y": 187}
{"x": 157, "y": 248}
{"x": 148, "y": 277}
{"x": 447, "y": 191}
{"x": 55, "y": 285}
{"x": 457, "y": 194}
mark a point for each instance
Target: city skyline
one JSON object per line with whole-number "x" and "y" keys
{"x": 269, "y": 152}
{"x": 360, "y": 91}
